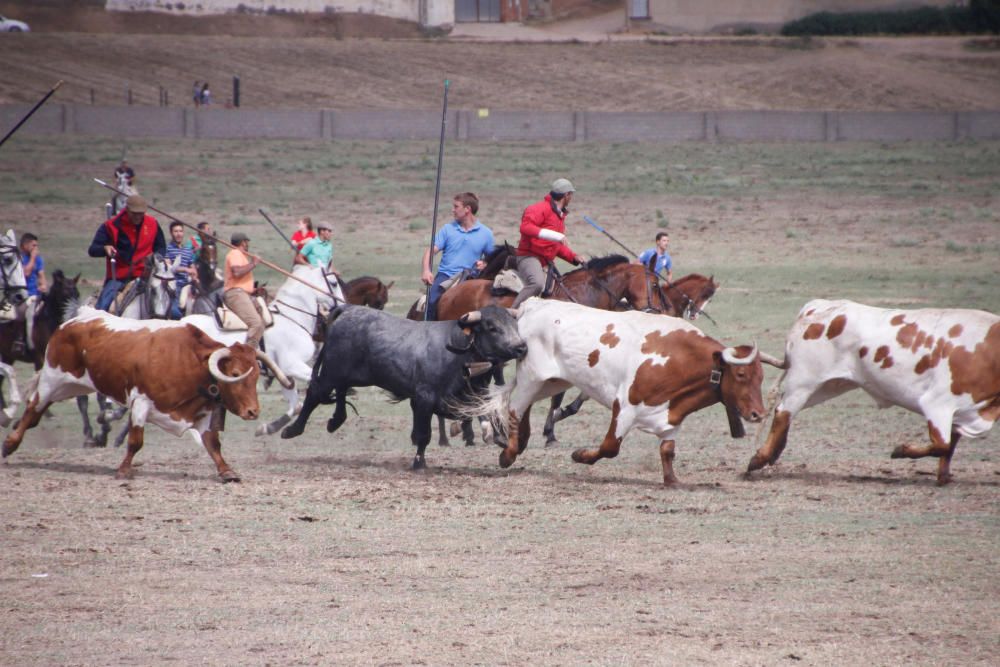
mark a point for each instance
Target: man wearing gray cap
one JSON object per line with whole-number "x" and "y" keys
{"x": 543, "y": 238}
{"x": 125, "y": 241}
{"x": 237, "y": 287}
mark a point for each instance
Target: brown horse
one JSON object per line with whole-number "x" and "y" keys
{"x": 602, "y": 283}
{"x": 367, "y": 291}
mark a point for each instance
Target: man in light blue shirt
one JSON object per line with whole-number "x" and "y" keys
{"x": 664, "y": 264}
{"x": 318, "y": 251}
{"x": 462, "y": 244}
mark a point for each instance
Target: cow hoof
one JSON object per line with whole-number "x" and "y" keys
{"x": 229, "y": 476}
{"x": 124, "y": 474}
{"x": 898, "y": 453}
{"x": 331, "y": 425}
{"x": 470, "y": 443}
{"x": 551, "y": 443}
{"x": 944, "y": 480}
{"x": 756, "y": 463}
{"x": 419, "y": 463}
{"x": 92, "y": 443}
{"x": 292, "y": 431}
{"x": 577, "y": 456}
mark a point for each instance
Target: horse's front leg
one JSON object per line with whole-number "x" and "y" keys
{"x": 292, "y": 400}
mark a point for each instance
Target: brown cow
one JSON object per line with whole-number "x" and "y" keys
{"x": 168, "y": 373}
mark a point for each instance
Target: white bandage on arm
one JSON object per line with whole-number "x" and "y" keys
{"x": 551, "y": 235}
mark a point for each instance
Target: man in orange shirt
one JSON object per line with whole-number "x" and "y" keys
{"x": 238, "y": 287}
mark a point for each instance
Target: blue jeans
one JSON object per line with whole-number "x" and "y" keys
{"x": 435, "y": 295}
{"x": 108, "y": 293}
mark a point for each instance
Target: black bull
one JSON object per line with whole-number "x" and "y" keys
{"x": 425, "y": 362}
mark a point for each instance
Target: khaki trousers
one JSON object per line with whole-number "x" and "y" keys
{"x": 532, "y": 275}
{"x": 239, "y": 301}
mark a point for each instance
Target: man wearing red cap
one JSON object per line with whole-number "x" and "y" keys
{"x": 128, "y": 239}
{"x": 543, "y": 238}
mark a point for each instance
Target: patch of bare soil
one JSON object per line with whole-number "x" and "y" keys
{"x": 349, "y": 61}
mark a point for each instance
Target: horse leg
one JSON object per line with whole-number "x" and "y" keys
{"x": 549, "y": 430}
{"x": 292, "y": 397}
{"x": 122, "y": 434}
{"x": 82, "y": 405}
{"x": 557, "y": 414}
{"x": 468, "y": 435}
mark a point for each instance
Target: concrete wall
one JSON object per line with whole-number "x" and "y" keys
{"x": 479, "y": 125}
{"x": 699, "y": 16}
{"x": 431, "y": 13}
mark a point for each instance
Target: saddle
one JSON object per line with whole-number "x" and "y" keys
{"x": 125, "y": 296}
{"x": 229, "y": 321}
{"x": 456, "y": 279}
{"x": 508, "y": 281}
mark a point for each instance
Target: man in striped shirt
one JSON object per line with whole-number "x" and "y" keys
{"x": 185, "y": 272}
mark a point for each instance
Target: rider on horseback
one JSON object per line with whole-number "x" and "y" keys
{"x": 34, "y": 280}
{"x": 462, "y": 242}
{"x": 664, "y": 264}
{"x": 543, "y": 236}
{"x": 125, "y": 241}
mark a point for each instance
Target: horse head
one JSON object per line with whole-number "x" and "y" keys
{"x": 161, "y": 285}
{"x": 12, "y": 280}
{"x": 63, "y": 297}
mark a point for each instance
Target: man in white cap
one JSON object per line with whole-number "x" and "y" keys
{"x": 543, "y": 238}
{"x": 128, "y": 239}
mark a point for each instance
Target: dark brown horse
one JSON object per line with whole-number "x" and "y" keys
{"x": 51, "y": 311}
{"x": 367, "y": 291}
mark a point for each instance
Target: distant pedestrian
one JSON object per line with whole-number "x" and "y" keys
{"x": 303, "y": 233}
{"x": 196, "y": 93}
{"x": 206, "y": 95}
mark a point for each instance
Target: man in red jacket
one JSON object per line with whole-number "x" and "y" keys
{"x": 543, "y": 238}
{"x": 129, "y": 237}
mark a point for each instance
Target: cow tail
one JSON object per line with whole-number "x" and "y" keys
{"x": 491, "y": 405}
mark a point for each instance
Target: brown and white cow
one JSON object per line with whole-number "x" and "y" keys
{"x": 941, "y": 363}
{"x": 168, "y": 373}
{"x": 651, "y": 371}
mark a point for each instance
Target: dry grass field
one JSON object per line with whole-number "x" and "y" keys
{"x": 332, "y": 552}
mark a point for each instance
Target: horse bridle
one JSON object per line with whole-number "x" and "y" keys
{"x": 5, "y": 272}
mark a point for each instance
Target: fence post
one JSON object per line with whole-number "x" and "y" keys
{"x": 128, "y": 94}
{"x": 236, "y": 91}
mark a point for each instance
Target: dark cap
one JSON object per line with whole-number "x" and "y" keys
{"x": 238, "y": 238}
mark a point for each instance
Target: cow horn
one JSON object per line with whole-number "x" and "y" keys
{"x": 471, "y": 317}
{"x": 515, "y": 312}
{"x": 773, "y": 361}
{"x": 213, "y": 366}
{"x": 729, "y": 356}
{"x": 278, "y": 375}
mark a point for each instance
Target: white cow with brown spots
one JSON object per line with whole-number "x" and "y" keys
{"x": 941, "y": 363}
{"x": 168, "y": 373}
{"x": 651, "y": 371}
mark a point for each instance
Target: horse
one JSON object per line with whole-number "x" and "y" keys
{"x": 52, "y": 310}
{"x": 495, "y": 262}
{"x": 367, "y": 291}
{"x": 299, "y": 322}
{"x": 12, "y": 282}
{"x": 206, "y": 294}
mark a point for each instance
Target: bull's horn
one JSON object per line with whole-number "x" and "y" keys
{"x": 213, "y": 366}
{"x": 278, "y": 375}
{"x": 773, "y": 361}
{"x": 729, "y": 356}
{"x": 471, "y": 317}
{"x": 515, "y": 312}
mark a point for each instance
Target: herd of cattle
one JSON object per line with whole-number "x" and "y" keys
{"x": 650, "y": 370}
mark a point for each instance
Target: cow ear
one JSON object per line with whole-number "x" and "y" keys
{"x": 460, "y": 339}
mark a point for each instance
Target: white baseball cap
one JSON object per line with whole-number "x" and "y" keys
{"x": 561, "y": 186}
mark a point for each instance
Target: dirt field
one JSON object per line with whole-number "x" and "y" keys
{"x": 346, "y": 61}
{"x": 332, "y": 552}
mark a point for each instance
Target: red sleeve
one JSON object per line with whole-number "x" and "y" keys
{"x": 530, "y": 223}
{"x": 566, "y": 253}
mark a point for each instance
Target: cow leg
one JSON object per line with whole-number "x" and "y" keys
{"x": 518, "y": 432}
{"x": 667, "y": 460}
{"x": 938, "y": 447}
{"x": 313, "y": 398}
{"x": 775, "y": 444}
{"x": 468, "y": 434}
{"x": 135, "y": 437}
{"x": 214, "y": 447}
{"x": 32, "y": 414}
{"x": 420, "y": 436}
{"x": 339, "y": 412}
{"x": 443, "y": 432}
{"x": 612, "y": 442}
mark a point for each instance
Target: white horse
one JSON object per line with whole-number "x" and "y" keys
{"x": 12, "y": 283}
{"x": 300, "y": 312}
{"x": 155, "y": 291}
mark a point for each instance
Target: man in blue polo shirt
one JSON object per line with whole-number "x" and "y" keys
{"x": 664, "y": 263}
{"x": 462, "y": 244}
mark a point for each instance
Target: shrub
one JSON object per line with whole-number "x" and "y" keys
{"x": 980, "y": 16}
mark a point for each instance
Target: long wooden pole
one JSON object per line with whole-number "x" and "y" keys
{"x": 29, "y": 114}
{"x": 218, "y": 240}
{"x": 437, "y": 194}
